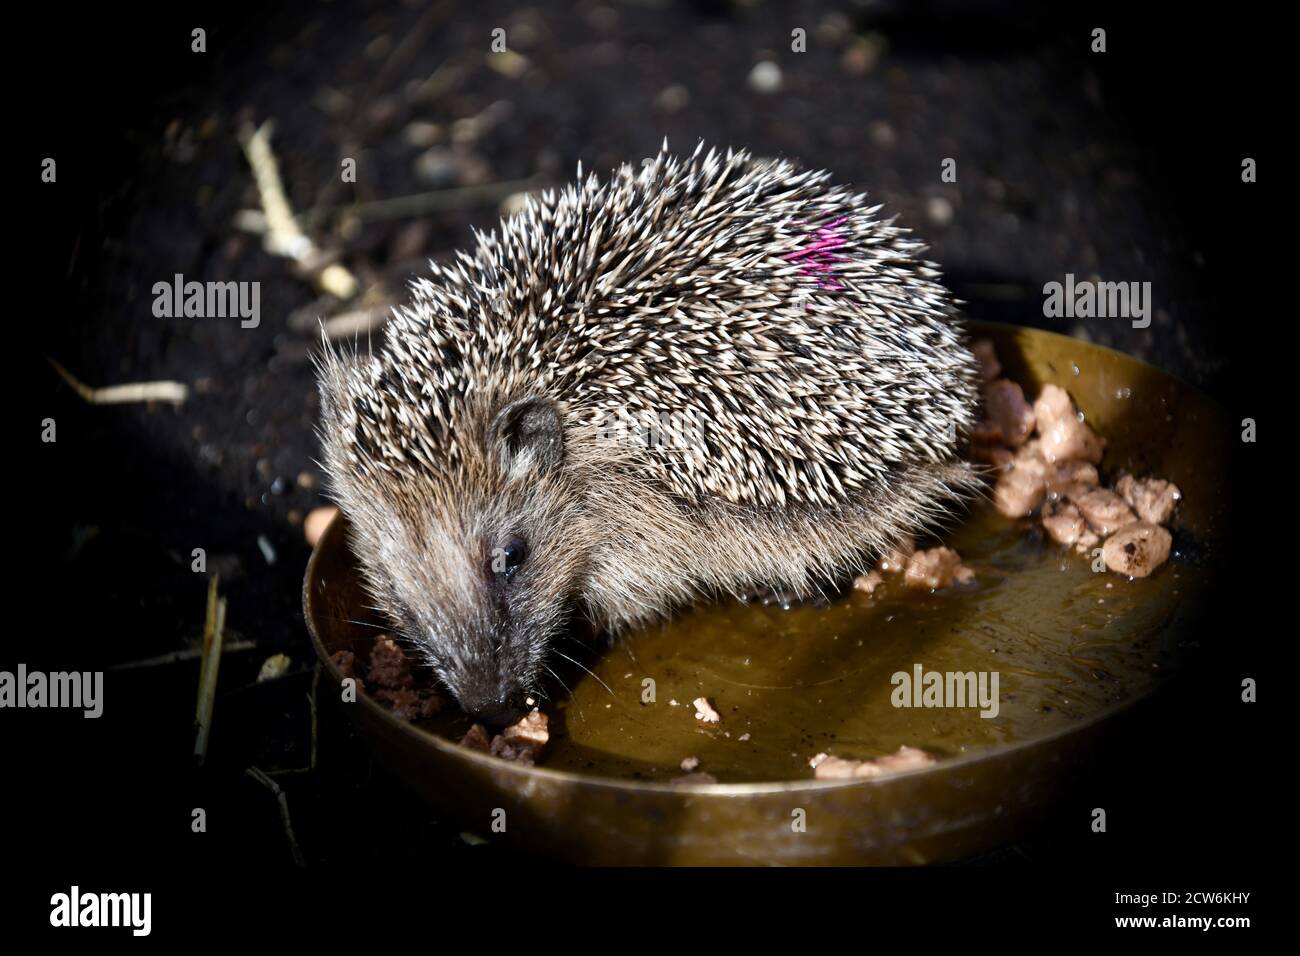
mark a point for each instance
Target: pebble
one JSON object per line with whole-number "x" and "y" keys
{"x": 939, "y": 211}
{"x": 422, "y": 134}
{"x": 437, "y": 168}
{"x": 765, "y": 77}
{"x": 860, "y": 58}
{"x": 673, "y": 98}
{"x": 882, "y": 134}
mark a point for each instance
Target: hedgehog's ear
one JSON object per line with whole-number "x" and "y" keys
{"x": 527, "y": 435}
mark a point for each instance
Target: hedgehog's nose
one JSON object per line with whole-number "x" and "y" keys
{"x": 502, "y": 713}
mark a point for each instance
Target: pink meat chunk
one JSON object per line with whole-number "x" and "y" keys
{"x": 409, "y": 703}
{"x": 477, "y": 739}
{"x": 1138, "y": 549}
{"x": 987, "y": 453}
{"x": 1022, "y": 488}
{"x": 521, "y": 742}
{"x": 1018, "y": 492}
{"x": 1071, "y": 478}
{"x": 388, "y": 666}
{"x": 990, "y": 367}
{"x": 895, "y": 562}
{"x": 1105, "y": 511}
{"x": 704, "y": 711}
{"x": 533, "y": 728}
{"x": 1063, "y": 523}
{"x": 1154, "y": 499}
{"x": 868, "y": 582}
{"x": 1063, "y": 436}
{"x": 1008, "y": 418}
{"x": 936, "y": 568}
{"x": 826, "y": 767}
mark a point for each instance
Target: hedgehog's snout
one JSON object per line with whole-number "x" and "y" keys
{"x": 498, "y": 712}
{"x": 494, "y": 688}
{"x": 493, "y": 695}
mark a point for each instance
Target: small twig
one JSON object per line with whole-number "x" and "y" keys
{"x": 443, "y": 79}
{"x": 311, "y": 700}
{"x": 285, "y": 819}
{"x": 399, "y": 207}
{"x": 173, "y": 392}
{"x": 175, "y": 657}
{"x": 213, "y": 631}
{"x": 438, "y": 200}
{"x": 283, "y": 236}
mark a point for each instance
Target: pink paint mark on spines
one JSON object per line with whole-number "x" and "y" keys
{"x": 819, "y": 258}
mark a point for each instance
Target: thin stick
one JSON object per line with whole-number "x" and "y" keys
{"x": 173, "y": 392}
{"x": 437, "y": 200}
{"x": 399, "y": 207}
{"x": 311, "y": 699}
{"x": 315, "y": 683}
{"x": 285, "y": 819}
{"x": 175, "y": 657}
{"x": 205, "y": 651}
{"x": 284, "y": 237}
{"x": 210, "y": 615}
{"x": 213, "y": 631}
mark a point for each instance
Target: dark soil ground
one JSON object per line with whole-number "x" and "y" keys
{"x": 1123, "y": 165}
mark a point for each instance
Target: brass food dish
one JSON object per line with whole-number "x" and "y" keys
{"x": 1073, "y": 650}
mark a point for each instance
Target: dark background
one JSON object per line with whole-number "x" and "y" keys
{"x": 1125, "y": 165}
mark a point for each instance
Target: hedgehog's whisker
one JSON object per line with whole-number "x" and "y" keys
{"x": 589, "y": 671}
{"x": 567, "y": 689}
{"x": 348, "y": 620}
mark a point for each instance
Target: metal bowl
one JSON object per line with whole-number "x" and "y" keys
{"x": 1074, "y": 650}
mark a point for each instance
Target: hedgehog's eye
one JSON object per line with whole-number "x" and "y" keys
{"x": 507, "y": 558}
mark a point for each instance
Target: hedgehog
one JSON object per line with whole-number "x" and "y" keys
{"x": 705, "y": 376}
